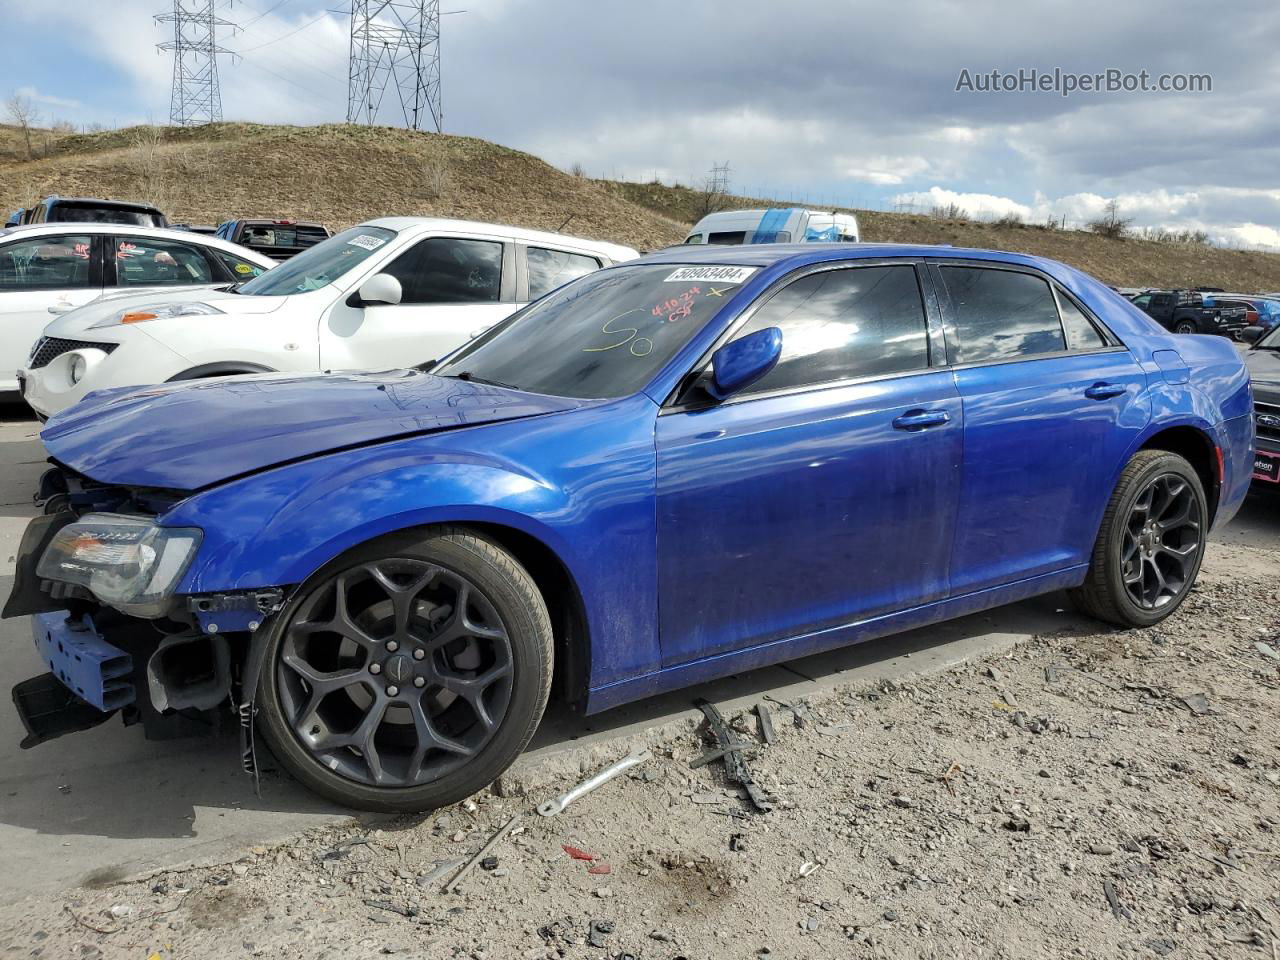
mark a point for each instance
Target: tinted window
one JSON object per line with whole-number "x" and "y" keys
{"x": 603, "y": 335}
{"x": 549, "y": 269}
{"x": 1081, "y": 334}
{"x": 728, "y": 236}
{"x": 45, "y": 263}
{"x": 450, "y": 270}
{"x": 1001, "y": 314}
{"x": 76, "y": 213}
{"x": 144, "y": 262}
{"x": 320, "y": 265}
{"x": 241, "y": 269}
{"x": 838, "y": 324}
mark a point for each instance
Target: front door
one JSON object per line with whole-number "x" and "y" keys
{"x": 826, "y": 492}
{"x": 1052, "y": 403}
{"x": 40, "y": 279}
{"x": 453, "y": 288}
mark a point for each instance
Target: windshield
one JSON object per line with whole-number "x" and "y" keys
{"x": 320, "y": 265}
{"x": 1270, "y": 340}
{"x": 603, "y": 335}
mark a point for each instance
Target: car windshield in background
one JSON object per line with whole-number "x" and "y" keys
{"x": 1269, "y": 340}
{"x": 72, "y": 213}
{"x": 320, "y": 265}
{"x": 604, "y": 335}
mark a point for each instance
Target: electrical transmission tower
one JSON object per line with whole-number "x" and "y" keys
{"x": 395, "y": 42}
{"x": 196, "y": 97}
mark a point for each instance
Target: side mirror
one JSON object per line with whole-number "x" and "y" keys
{"x": 742, "y": 362}
{"x": 381, "y": 288}
{"x": 1251, "y": 334}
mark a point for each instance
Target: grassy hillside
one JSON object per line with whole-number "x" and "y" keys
{"x": 336, "y": 174}
{"x": 1124, "y": 263}
{"x": 341, "y": 174}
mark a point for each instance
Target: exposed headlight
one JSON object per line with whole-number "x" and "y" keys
{"x": 78, "y": 366}
{"x": 126, "y": 562}
{"x": 163, "y": 312}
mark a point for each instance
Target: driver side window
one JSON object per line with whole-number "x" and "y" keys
{"x": 449, "y": 270}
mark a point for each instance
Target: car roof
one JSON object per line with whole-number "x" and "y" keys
{"x": 614, "y": 251}
{"x": 132, "y": 230}
{"x": 801, "y": 254}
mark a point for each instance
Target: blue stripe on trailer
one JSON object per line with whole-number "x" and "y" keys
{"x": 769, "y": 225}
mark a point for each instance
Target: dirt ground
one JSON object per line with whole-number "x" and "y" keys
{"x": 1105, "y": 794}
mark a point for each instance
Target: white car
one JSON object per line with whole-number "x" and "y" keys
{"x": 394, "y": 292}
{"x": 49, "y": 269}
{"x": 775, "y": 225}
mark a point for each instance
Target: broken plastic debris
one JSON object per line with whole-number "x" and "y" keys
{"x": 577, "y": 852}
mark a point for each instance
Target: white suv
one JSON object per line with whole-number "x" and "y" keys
{"x": 49, "y": 269}
{"x": 394, "y": 292}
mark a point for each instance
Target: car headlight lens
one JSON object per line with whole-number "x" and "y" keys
{"x": 126, "y": 562}
{"x": 78, "y": 366}
{"x": 163, "y": 312}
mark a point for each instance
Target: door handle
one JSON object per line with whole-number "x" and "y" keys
{"x": 920, "y": 419}
{"x": 1104, "y": 391}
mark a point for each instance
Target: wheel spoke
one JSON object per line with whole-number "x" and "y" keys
{"x": 429, "y": 738}
{"x": 402, "y": 598}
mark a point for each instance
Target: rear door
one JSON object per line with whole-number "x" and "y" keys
{"x": 823, "y": 494}
{"x": 454, "y": 287}
{"x": 136, "y": 264}
{"x": 1052, "y": 403}
{"x": 40, "y": 278}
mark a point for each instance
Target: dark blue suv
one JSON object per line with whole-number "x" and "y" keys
{"x": 696, "y": 463}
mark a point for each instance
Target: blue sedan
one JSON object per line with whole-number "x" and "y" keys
{"x": 700, "y": 462}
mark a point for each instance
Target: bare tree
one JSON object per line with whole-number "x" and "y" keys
{"x": 1111, "y": 224}
{"x": 715, "y": 190}
{"x": 22, "y": 113}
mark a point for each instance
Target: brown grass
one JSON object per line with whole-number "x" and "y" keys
{"x": 1123, "y": 263}
{"x": 340, "y": 175}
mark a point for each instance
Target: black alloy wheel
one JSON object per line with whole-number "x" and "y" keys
{"x": 411, "y": 675}
{"x": 1151, "y": 542}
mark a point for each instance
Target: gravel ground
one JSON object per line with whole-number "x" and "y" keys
{"x": 1089, "y": 795}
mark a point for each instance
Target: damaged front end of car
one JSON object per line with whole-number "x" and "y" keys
{"x": 98, "y": 574}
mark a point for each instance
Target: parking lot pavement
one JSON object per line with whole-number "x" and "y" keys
{"x": 106, "y": 802}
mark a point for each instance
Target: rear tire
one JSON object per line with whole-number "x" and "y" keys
{"x": 1150, "y": 545}
{"x": 409, "y": 673}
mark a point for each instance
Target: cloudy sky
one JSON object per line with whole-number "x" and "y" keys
{"x": 837, "y": 102}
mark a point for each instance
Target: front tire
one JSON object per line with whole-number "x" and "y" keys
{"x": 408, "y": 674}
{"x": 1186, "y": 326}
{"x": 1150, "y": 545}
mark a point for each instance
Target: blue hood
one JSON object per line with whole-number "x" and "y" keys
{"x": 187, "y": 436}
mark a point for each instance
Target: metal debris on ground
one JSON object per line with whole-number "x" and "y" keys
{"x": 481, "y": 854}
{"x": 389, "y": 907}
{"x": 440, "y": 870}
{"x": 735, "y": 765}
{"x": 551, "y": 807}
{"x": 1118, "y": 909}
{"x": 712, "y": 755}
{"x": 1197, "y": 703}
{"x": 766, "y": 723}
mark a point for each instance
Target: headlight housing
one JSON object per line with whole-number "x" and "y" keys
{"x": 126, "y": 562}
{"x": 162, "y": 312}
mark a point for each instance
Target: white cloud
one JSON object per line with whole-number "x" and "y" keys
{"x": 47, "y": 100}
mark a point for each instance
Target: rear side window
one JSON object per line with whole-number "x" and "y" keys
{"x": 842, "y": 324}
{"x": 1000, "y": 314}
{"x": 450, "y": 270}
{"x": 1081, "y": 333}
{"x": 728, "y": 236}
{"x": 549, "y": 269}
{"x": 241, "y": 269}
{"x": 143, "y": 262}
{"x": 45, "y": 263}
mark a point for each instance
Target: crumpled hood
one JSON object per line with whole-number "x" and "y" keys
{"x": 74, "y": 324}
{"x": 186, "y": 436}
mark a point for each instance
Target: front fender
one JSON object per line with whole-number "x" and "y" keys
{"x": 582, "y": 484}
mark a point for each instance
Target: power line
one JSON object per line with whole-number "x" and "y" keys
{"x": 270, "y": 10}
{"x": 196, "y": 97}
{"x": 395, "y": 42}
{"x": 285, "y": 36}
